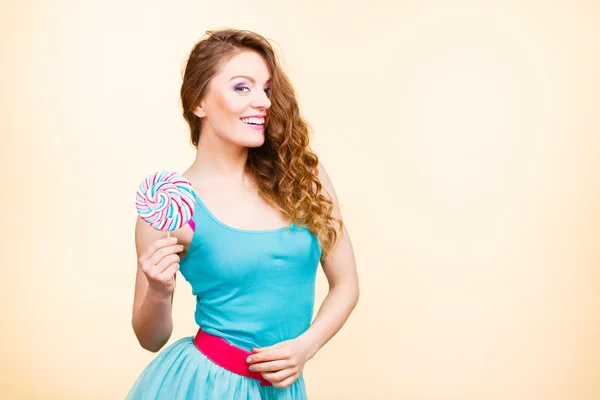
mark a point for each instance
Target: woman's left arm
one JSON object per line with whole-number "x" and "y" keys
{"x": 340, "y": 269}
{"x": 283, "y": 362}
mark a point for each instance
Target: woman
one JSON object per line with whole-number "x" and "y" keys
{"x": 266, "y": 215}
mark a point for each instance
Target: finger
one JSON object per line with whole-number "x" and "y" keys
{"x": 261, "y": 349}
{"x": 166, "y": 263}
{"x": 157, "y": 245}
{"x": 168, "y": 273}
{"x": 278, "y": 376}
{"x": 286, "y": 382}
{"x": 163, "y": 253}
{"x": 271, "y": 366}
{"x": 154, "y": 271}
{"x": 272, "y": 355}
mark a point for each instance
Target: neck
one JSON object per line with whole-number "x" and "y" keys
{"x": 219, "y": 160}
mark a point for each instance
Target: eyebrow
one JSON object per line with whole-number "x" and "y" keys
{"x": 248, "y": 77}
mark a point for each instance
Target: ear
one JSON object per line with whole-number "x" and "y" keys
{"x": 199, "y": 111}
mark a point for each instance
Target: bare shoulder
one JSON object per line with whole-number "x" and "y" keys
{"x": 327, "y": 184}
{"x": 339, "y": 265}
{"x": 328, "y": 190}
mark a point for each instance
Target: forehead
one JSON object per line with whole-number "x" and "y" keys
{"x": 248, "y": 63}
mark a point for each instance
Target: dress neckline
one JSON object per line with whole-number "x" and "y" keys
{"x": 231, "y": 228}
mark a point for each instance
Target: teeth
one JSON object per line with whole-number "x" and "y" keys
{"x": 256, "y": 121}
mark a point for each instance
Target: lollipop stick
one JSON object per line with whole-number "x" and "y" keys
{"x": 168, "y": 234}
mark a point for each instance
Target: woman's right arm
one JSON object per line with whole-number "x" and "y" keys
{"x": 158, "y": 263}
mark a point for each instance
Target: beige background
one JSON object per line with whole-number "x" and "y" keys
{"x": 463, "y": 140}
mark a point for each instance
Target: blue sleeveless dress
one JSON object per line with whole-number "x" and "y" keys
{"x": 252, "y": 288}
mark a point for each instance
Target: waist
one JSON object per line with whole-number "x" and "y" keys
{"x": 226, "y": 355}
{"x": 261, "y": 325}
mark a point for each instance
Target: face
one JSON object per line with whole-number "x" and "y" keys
{"x": 235, "y": 106}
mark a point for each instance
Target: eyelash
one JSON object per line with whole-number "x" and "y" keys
{"x": 237, "y": 89}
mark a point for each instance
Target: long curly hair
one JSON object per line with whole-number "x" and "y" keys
{"x": 284, "y": 167}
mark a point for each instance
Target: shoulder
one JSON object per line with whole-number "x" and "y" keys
{"x": 326, "y": 182}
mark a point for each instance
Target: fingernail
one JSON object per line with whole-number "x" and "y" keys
{"x": 252, "y": 368}
{"x": 173, "y": 239}
{"x": 181, "y": 247}
{"x": 249, "y": 360}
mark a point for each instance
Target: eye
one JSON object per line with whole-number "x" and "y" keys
{"x": 268, "y": 91}
{"x": 241, "y": 89}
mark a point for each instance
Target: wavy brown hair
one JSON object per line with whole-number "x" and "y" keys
{"x": 284, "y": 167}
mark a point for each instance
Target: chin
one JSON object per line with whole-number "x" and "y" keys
{"x": 253, "y": 141}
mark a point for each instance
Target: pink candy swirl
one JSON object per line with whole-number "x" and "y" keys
{"x": 165, "y": 200}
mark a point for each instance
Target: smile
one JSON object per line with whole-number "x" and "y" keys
{"x": 254, "y": 120}
{"x": 257, "y": 123}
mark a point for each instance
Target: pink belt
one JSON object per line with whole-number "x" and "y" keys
{"x": 227, "y": 356}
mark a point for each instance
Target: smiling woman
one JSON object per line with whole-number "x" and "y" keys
{"x": 232, "y": 98}
{"x": 267, "y": 215}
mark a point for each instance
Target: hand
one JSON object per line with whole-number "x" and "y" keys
{"x": 160, "y": 263}
{"x": 282, "y": 363}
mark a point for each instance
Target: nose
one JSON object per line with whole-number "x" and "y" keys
{"x": 261, "y": 101}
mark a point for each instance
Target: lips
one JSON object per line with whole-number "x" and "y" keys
{"x": 254, "y": 120}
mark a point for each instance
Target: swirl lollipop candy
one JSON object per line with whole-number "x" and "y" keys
{"x": 165, "y": 200}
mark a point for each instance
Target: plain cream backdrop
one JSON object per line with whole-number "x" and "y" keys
{"x": 463, "y": 140}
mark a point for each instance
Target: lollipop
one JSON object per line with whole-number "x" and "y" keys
{"x": 165, "y": 200}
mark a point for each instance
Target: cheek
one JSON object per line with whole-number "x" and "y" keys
{"x": 231, "y": 105}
